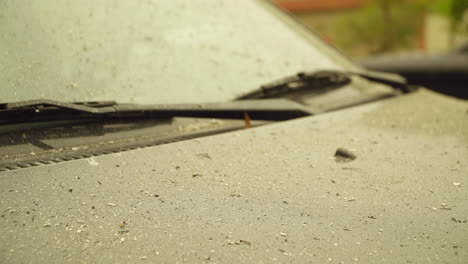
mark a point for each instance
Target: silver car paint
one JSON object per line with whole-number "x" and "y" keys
{"x": 263, "y": 195}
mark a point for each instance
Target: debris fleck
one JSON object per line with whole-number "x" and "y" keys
{"x": 247, "y": 120}
{"x": 204, "y": 155}
{"x": 282, "y": 234}
{"x": 143, "y": 257}
{"x": 92, "y": 162}
{"x": 350, "y": 168}
{"x": 245, "y": 242}
{"x": 458, "y": 221}
{"x": 123, "y": 224}
{"x": 457, "y": 184}
{"x": 343, "y": 155}
{"x": 46, "y": 225}
{"x": 10, "y": 210}
{"x": 196, "y": 175}
{"x": 111, "y": 204}
{"x": 240, "y": 242}
{"x": 444, "y": 206}
{"x": 70, "y": 190}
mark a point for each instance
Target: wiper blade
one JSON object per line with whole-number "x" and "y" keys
{"x": 49, "y": 110}
{"x": 321, "y": 80}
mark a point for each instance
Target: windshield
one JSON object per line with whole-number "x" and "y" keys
{"x": 166, "y": 51}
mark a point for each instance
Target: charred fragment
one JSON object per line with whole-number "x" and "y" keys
{"x": 343, "y": 155}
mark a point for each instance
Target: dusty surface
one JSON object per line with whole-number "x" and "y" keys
{"x": 151, "y": 52}
{"x": 264, "y": 195}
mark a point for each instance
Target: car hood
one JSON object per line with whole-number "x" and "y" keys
{"x": 274, "y": 193}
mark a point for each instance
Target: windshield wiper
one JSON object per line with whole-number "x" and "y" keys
{"x": 321, "y": 80}
{"x": 49, "y": 110}
{"x": 270, "y": 109}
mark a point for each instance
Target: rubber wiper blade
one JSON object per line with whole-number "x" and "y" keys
{"x": 49, "y": 110}
{"x": 328, "y": 79}
{"x": 300, "y": 81}
{"x": 396, "y": 81}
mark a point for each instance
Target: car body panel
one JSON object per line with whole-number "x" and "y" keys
{"x": 262, "y": 195}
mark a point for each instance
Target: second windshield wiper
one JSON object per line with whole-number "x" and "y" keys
{"x": 321, "y": 80}
{"x": 48, "y": 110}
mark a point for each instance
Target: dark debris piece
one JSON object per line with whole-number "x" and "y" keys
{"x": 343, "y": 155}
{"x": 245, "y": 242}
{"x": 204, "y": 155}
{"x": 458, "y": 221}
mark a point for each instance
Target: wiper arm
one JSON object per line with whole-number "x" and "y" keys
{"x": 320, "y": 80}
{"x": 49, "y": 110}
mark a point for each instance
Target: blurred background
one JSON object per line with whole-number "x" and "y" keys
{"x": 366, "y": 28}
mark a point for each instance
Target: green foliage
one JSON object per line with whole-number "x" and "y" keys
{"x": 368, "y": 27}
{"x": 440, "y": 6}
{"x": 457, "y": 10}
{"x": 454, "y": 9}
{"x": 387, "y": 25}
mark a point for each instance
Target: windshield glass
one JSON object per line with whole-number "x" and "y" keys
{"x": 154, "y": 51}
